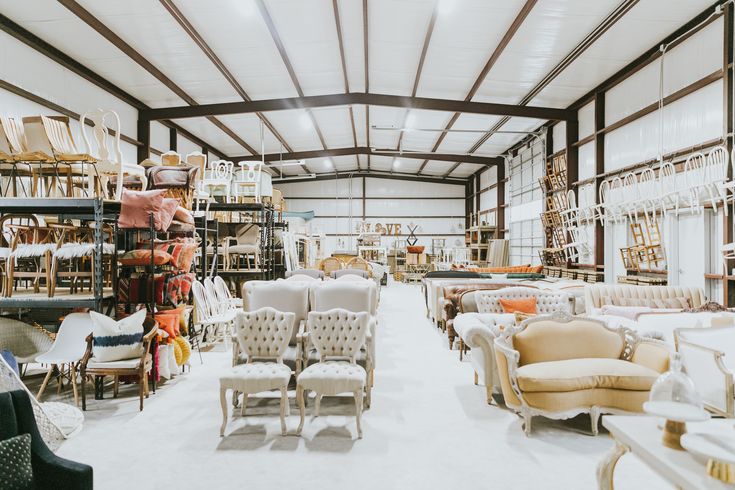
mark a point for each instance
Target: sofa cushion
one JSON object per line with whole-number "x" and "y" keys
{"x": 583, "y": 374}
{"x": 520, "y": 305}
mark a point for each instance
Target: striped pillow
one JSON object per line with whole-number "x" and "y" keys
{"x": 117, "y": 340}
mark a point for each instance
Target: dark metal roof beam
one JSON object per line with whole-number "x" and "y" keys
{"x": 312, "y": 101}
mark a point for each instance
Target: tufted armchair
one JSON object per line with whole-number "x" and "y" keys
{"x": 478, "y": 330}
{"x": 559, "y": 366}
{"x": 338, "y": 336}
{"x": 284, "y": 296}
{"x": 262, "y": 334}
{"x": 355, "y": 296}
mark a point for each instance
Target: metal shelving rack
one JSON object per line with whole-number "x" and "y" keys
{"x": 65, "y": 208}
{"x": 263, "y": 216}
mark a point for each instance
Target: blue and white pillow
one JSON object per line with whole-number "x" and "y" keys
{"x": 117, "y": 340}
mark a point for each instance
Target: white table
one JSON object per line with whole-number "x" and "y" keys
{"x": 641, "y": 435}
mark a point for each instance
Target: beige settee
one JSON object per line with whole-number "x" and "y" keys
{"x": 598, "y": 295}
{"x": 559, "y": 366}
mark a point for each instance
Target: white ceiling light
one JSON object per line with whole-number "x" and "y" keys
{"x": 396, "y": 163}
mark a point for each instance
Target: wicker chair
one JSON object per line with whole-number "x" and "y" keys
{"x": 329, "y": 265}
{"x": 24, "y": 341}
{"x": 360, "y": 264}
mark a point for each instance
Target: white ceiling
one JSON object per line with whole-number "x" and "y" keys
{"x": 465, "y": 34}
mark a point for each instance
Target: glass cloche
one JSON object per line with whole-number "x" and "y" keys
{"x": 674, "y": 395}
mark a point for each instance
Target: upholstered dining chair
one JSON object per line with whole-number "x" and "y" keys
{"x": 338, "y": 336}
{"x": 247, "y": 246}
{"x": 263, "y": 335}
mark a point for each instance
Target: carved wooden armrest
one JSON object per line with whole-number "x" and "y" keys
{"x": 87, "y": 352}
{"x": 512, "y": 357}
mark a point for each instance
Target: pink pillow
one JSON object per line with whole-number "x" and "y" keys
{"x": 167, "y": 211}
{"x": 137, "y": 206}
{"x": 184, "y": 215}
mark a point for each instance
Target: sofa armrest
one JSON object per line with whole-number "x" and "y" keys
{"x": 507, "y": 360}
{"x": 713, "y": 380}
{"x": 653, "y": 354}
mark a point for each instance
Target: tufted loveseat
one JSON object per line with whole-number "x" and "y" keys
{"x": 599, "y": 295}
{"x": 479, "y": 330}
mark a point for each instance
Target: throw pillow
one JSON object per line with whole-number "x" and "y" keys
{"x": 167, "y": 212}
{"x": 117, "y": 340}
{"x": 137, "y": 206}
{"x": 16, "y": 471}
{"x": 185, "y": 347}
{"x": 142, "y": 257}
{"x": 525, "y": 305}
{"x": 184, "y": 215}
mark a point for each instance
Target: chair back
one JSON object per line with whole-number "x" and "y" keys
{"x": 264, "y": 333}
{"x": 199, "y": 160}
{"x": 247, "y": 234}
{"x": 101, "y": 133}
{"x": 71, "y": 338}
{"x": 717, "y": 161}
{"x": 348, "y": 295}
{"x": 286, "y": 296}
{"x": 330, "y": 264}
{"x": 170, "y": 158}
{"x": 547, "y": 302}
{"x": 562, "y": 337}
{"x": 34, "y": 136}
{"x": 301, "y": 277}
{"x": 6, "y": 147}
{"x": 313, "y": 273}
{"x": 201, "y": 305}
{"x": 222, "y": 291}
{"x": 358, "y": 263}
{"x": 250, "y": 172}
{"x": 215, "y": 305}
{"x": 219, "y": 170}
{"x": 345, "y": 275}
{"x": 7, "y": 232}
{"x": 58, "y": 133}
{"x": 337, "y": 332}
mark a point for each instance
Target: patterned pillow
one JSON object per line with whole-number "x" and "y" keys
{"x": 143, "y": 257}
{"x": 117, "y": 340}
{"x": 16, "y": 471}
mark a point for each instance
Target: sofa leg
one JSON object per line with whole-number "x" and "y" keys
{"x": 450, "y": 336}
{"x": 526, "y": 422}
{"x": 461, "y": 349}
{"x": 489, "y": 394}
{"x": 594, "y": 419}
{"x": 476, "y": 378}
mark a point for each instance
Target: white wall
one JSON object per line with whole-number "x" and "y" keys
{"x": 437, "y": 209}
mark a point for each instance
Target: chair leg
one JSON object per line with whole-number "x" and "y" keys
{"x": 476, "y": 378}
{"x": 318, "y": 404}
{"x": 74, "y": 384}
{"x": 358, "y": 412}
{"x": 223, "y": 404}
{"x": 244, "y": 404}
{"x": 115, "y": 386}
{"x": 302, "y": 408}
{"x": 45, "y": 382}
{"x": 284, "y": 402}
{"x": 84, "y": 390}
{"x": 141, "y": 390}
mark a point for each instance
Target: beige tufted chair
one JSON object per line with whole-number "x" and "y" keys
{"x": 546, "y": 302}
{"x": 286, "y": 296}
{"x": 355, "y": 296}
{"x": 338, "y": 336}
{"x": 262, "y": 334}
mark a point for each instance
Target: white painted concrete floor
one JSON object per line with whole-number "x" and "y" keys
{"x": 429, "y": 427}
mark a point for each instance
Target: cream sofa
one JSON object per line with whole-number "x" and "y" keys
{"x": 598, "y": 295}
{"x": 559, "y": 366}
{"x": 479, "y": 330}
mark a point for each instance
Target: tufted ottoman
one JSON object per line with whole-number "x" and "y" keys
{"x": 255, "y": 378}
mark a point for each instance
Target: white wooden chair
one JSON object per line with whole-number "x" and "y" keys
{"x": 717, "y": 163}
{"x": 246, "y": 183}
{"x": 109, "y": 160}
{"x": 207, "y": 315}
{"x": 218, "y": 176}
{"x": 669, "y": 188}
{"x": 695, "y": 178}
{"x": 170, "y": 158}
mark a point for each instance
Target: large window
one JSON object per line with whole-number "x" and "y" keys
{"x": 526, "y": 204}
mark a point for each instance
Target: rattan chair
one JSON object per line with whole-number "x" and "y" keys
{"x": 329, "y": 265}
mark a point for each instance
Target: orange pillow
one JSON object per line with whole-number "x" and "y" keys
{"x": 525, "y": 305}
